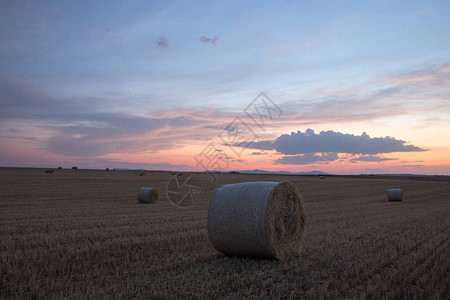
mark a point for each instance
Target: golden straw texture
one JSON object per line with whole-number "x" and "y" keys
{"x": 395, "y": 195}
{"x": 148, "y": 195}
{"x": 260, "y": 219}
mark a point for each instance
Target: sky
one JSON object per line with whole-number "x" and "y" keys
{"x": 344, "y": 87}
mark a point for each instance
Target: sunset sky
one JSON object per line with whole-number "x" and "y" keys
{"x": 344, "y": 87}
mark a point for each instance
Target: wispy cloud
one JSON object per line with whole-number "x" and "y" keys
{"x": 306, "y": 159}
{"x": 257, "y": 153}
{"x": 370, "y": 158}
{"x": 115, "y": 163}
{"x": 73, "y": 130}
{"x": 162, "y": 42}
{"x": 206, "y": 40}
{"x": 117, "y": 38}
{"x": 437, "y": 76}
{"x": 413, "y": 94}
{"x": 101, "y": 134}
{"x": 59, "y": 17}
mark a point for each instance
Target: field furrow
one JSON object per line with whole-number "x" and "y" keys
{"x": 82, "y": 234}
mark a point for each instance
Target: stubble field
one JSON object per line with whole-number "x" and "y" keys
{"x": 82, "y": 234}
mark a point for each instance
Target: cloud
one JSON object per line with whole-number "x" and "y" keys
{"x": 343, "y": 109}
{"x": 25, "y": 138}
{"x": 257, "y": 153}
{"x": 101, "y": 134}
{"x": 437, "y": 76}
{"x": 263, "y": 145}
{"x": 430, "y": 83}
{"x": 306, "y": 159}
{"x": 376, "y": 171}
{"x": 390, "y": 96}
{"x": 371, "y": 158}
{"x": 59, "y": 17}
{"x": 162, "y": 42}
{"x": 206, "y": 40}
{"x": 69, "y": 128}
{"x": 331, "y": 141}
{"x": 112, "y": 163}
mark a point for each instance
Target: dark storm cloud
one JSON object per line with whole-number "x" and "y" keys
{"x": 331, "y": 141}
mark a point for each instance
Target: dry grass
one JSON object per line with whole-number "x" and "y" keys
{"x": 81, "y": 234}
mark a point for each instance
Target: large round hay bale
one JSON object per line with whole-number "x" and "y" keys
{"x": 260, "y": 219}
{"x": 148, "y": 195}
{"x": 395, "y": 194}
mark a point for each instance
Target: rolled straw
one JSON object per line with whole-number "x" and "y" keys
{"x": 261, "y": 219}
{"x": 395, "y": 194}
{"x": 148, "y": 195}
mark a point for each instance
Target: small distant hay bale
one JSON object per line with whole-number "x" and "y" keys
{"x": 74, "y": 168}
{"x": 260, "y": 219}
{"x": 322, "y": 177}
{"x": 148, "y": 195}
{"x": 395, "y": 194}
{"x": 142, "y": 173}
{"x": 49, "y": 171}
{"x": 59, "y": 168}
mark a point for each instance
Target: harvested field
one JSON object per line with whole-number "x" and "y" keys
{"x": 81, "y": 233}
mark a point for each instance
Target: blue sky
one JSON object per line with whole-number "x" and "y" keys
{"x": 99, "y": 58}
